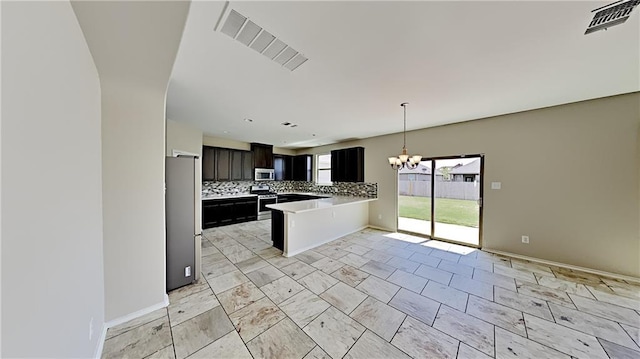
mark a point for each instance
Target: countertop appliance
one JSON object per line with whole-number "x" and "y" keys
{"x": 183, "y": 228}
{"x": 265, "y": 197}
{"x": 264, "y": 174}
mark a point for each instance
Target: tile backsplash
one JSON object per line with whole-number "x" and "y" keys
{"x": 212, "y": 188}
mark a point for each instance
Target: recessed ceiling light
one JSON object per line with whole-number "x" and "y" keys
{"x": 248, "y": 120}
{"x": 225, "y": 131}
{"x": 313, "y": 134}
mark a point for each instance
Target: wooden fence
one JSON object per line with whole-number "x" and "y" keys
{"x": 454, "y": 190}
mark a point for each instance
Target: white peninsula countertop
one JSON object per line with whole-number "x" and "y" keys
{"x": 315, "y": 204}
{"x": 302, "y": 225}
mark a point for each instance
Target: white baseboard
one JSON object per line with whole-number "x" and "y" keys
{"x": 125, "y": 318}
{"x": 564, "y": 265}
{"x": 380, "y": 228}
{"x": 101, "y": 340}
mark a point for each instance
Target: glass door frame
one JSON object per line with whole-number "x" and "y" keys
{"x": 432, "y": 209}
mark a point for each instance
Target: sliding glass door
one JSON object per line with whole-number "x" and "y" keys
{"x": 442, "y": 199}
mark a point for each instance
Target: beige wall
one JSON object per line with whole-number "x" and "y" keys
{"x": 133, "y": 142}
{"x": 183, "y": 138}
{"x": 52, "y": 256}
{"x": 239, "y": 145}
{"x": 569, "y": 176}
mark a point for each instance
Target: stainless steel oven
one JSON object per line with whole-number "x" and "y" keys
{"x": 263, "y": 201}
{"x": 265, "y": 197}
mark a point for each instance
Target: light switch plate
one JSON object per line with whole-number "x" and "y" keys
{"x": 496, "y": 185}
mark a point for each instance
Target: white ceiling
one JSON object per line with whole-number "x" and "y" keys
{"x": 452, "y": 61}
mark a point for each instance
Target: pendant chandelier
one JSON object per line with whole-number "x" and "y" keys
{"x": 404, "y": 160}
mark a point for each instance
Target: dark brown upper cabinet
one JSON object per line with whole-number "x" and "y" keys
{"x": 283, "y": 167}
{"x": 262, "y": 155}
{"x": 303, "y": 168}
{"x": 347, "y": 165}
{"x": 224, "y": 164}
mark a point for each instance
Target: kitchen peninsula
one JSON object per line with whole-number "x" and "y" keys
{"x": 300, "y": 226}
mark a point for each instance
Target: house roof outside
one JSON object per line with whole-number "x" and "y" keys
{"x": 469, "y": 168}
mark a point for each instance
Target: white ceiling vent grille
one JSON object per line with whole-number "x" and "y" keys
{"x": 250, "y": 34}
{"x": 611, "y": 15}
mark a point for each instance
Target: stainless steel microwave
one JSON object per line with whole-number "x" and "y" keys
{"x": 264, "y": 174}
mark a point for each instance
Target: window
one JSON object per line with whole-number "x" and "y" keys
{"x": 324, "y": 169}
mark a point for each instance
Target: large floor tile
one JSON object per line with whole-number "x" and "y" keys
{"x": 456, "y": 268}
{"x": 200, "y": 331}
{"x": 354, "y": 260}
{"x": 606, "y": 310}
{"x": 139, "y": 342}
{"x": 350, "y": 275}
{"x": 611, "y": 297}
{"x": 510, "y": 345}
{"x": 425, "y": 259}
{"x": 264, "y": 275}
{"x": 303, "y": 307}
{"x": 495, "y": 279}
{"x": 531, "y": 267}
{"x": 188, "y": 307}
{"x": 317, "y": 353}
{"x": 318, "y": 282}
{"x": 563, "y": 285}
{"x": 515, "y": 273}
{"x": 454, "y": 298}
{"x": 177, "y": 294}
{"x": 372, "y": 346}
{"x": 422, "y": 341}
{"x": 229, "y": 346}
{"x": 125, "y": 327}
{"x": 472, "y": 286}
{"x": 251, "y": 264}
{"x": 239, "y": 297}
{"x": 563, "y": 339}
{"x": 616, "y": 351}
{"x": 475, "y": 332}
{"x": 378, "y": 288}
{"x": 328, "y": 265}
{"x": 167, "y": 352}
{"x": 634, "y": 332}
{"x": 281, "y": 289}
{"x": 403, "y": 264}
{"x": 496, "y": 314}
{"x": 380, "y": 256}
{"x": 378, "y": 317}
{"x": 309, "y": 257}
{"x": 407, "y": 280}
{"x": 591, "y": 324}
{"x": 297, "y": 270}
{"x": 255, "y": 318}
{"x": 544, "y": 293}
{"x": 378, "y": 269}
{"x": 445, "y": 255}
{"x": 523, "y": 303}
{"x": 227, "y": 281}
{"x": 415, "y": 305}
{"x": 466, "y": 351}
{"x": 343, "y": 297}
{"x": 334, "y": 331}
{"x": 434, "y": 274}
{"x": 283, "y": 340}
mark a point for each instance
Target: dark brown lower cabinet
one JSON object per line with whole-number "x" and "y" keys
{"x": 220, "y": 212}
{"x": 277, "y": 229}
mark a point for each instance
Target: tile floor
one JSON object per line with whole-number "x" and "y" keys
{"x": 375, "y": 294}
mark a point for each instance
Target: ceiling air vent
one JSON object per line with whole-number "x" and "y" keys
{"x": 611, "y": 15}
{"x": 248, "y": 33}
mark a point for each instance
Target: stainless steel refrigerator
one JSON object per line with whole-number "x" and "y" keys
{"x": 182, "y": 200}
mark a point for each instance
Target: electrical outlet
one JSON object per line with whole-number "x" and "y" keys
{"x": 91, "y": 328}
{"x": 333, "y": 214}
{"x": 187, "y": 271}
{"x": 525, "y": 239}
{"x": 293, "y": 224}
{"x": 380, "y": 216}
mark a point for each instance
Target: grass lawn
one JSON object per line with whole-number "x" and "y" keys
{"x": 452, "y": 211}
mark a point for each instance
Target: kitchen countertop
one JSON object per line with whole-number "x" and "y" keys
{"x": 315, "y": 204}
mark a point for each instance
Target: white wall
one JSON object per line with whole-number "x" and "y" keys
{"x": 569, "y": 178}
{"x": 134, "y": 45}
{"x": 52, "y": 269}
{"x": 183, "y": 137}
